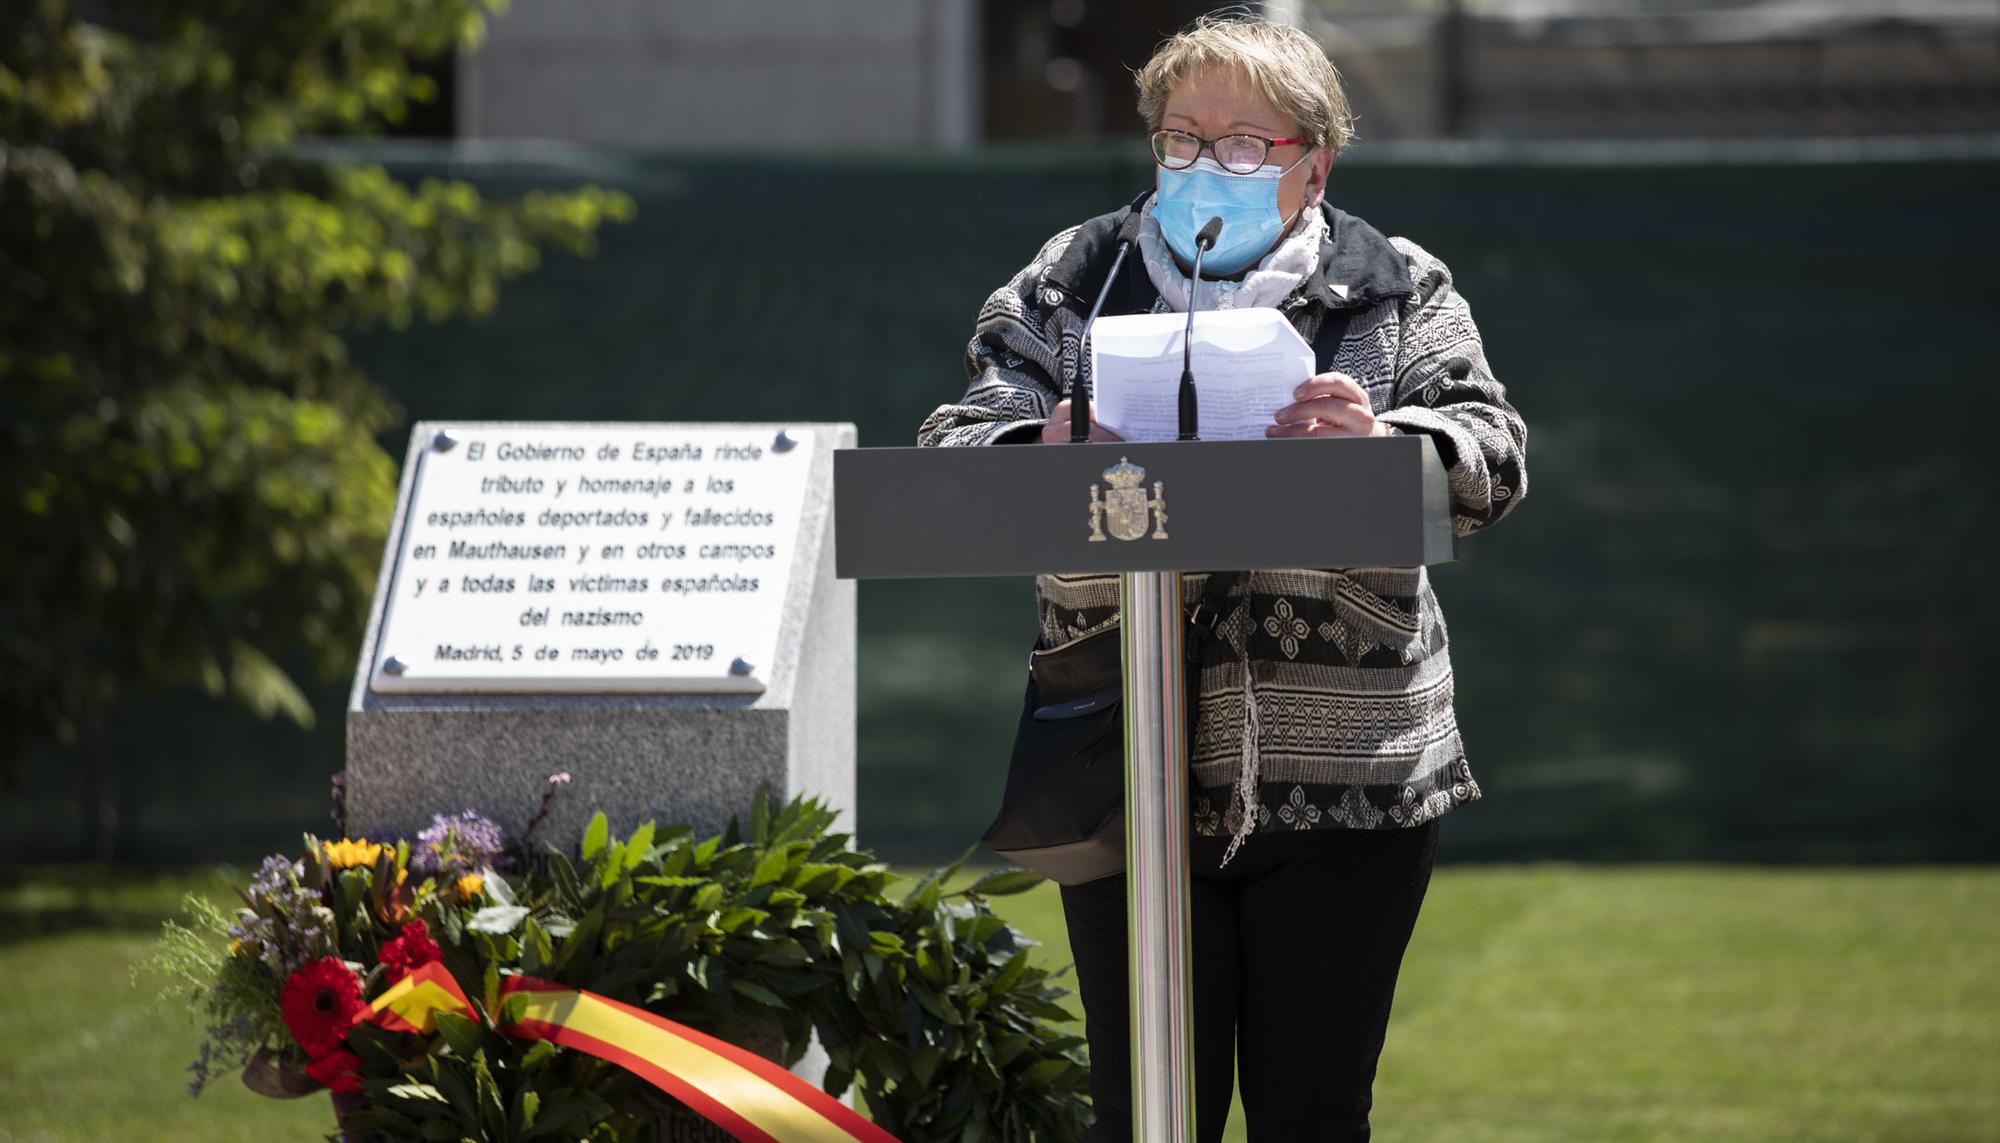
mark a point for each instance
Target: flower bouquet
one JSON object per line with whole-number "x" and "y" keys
{"x": 400, "y": 975}
{"x": 317, "y": 935}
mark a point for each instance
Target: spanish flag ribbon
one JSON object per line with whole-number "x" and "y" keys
{"x": 745, "y": 1094}
{"x": 741, "y": 1092}
{"x": 412, "y": 1003}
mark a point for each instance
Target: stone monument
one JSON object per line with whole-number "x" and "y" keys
{"x": 650, "y": 608}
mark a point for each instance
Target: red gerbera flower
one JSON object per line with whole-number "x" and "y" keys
{"x": 320, "y": 1002}
{"x": 412, "y": 949}
{"x": 337, "y": 1070}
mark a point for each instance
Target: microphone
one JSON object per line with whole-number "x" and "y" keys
{"x": 1079, "y": 400}
{"x": 1190, "y": 414}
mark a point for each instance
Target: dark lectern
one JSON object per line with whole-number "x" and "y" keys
{"x": 1148, "y": 512}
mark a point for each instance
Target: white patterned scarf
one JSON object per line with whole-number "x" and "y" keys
{"x": 1269, "y": 282}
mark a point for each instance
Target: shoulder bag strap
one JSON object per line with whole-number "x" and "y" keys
{"x": 1326, "y": 343}
{"x": 1208, "y": 611}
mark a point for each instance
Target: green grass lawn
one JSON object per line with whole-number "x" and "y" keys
{"x": 1537, "y": 1003}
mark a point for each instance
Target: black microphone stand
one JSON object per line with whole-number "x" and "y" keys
{"x": 1079, "y": 401}
{"x": 1190, "y": 415}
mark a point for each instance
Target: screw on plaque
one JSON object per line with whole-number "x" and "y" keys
{"x": 741, "y": 666}
{"x": 784, "y": 443}
{"x": 394, "y": 666}
{"x": 443, "y": 441}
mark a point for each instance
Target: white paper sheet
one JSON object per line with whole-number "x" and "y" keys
{"x": 1246, "y": 365}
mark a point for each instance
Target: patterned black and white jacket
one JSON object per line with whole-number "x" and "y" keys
{"x": 1337, "y": 712}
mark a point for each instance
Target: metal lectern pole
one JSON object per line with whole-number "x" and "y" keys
{"x": 1156, "y": 854}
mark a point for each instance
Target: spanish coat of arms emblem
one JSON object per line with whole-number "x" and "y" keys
{"x": 1125, "y": 510}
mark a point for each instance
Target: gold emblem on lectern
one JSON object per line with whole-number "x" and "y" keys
{"x": 1124, "y": 510}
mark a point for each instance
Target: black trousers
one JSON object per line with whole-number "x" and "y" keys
{"x": 1296, "y": 949}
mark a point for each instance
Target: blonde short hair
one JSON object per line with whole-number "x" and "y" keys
{"x": 1281, "y": 62}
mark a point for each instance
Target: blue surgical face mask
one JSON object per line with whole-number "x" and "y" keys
{"x": 1247, "y": 205}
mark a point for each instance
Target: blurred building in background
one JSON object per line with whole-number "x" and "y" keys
{"x": 799, "y": 75}
{"x": 824, "y": 74}
{"x": 1663, "y": 68}
{"x": 1063, "y": 68}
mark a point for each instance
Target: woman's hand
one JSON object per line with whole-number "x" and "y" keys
{"x": 1329, "y": 405}
{"x": 1056, "y": 431}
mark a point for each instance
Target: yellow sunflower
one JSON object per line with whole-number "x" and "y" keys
{"x": 347, "y": 853}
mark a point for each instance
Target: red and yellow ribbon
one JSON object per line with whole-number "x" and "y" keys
{"x": 741, "y": 1092}
{"x": 412, "y": 1003}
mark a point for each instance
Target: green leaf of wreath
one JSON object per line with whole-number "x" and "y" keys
{"x": 497, "y": 919}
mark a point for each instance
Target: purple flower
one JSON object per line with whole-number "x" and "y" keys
{"x": 454, "y": 846}
{"x": 276, "y": 874}
{"x": 287, "y": 924}
{"x": 223, "y": 1042}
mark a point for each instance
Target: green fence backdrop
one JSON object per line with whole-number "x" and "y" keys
{"x": 1739, "y": 615}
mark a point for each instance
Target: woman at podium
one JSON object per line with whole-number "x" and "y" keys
{"x": 1325, "y": 748}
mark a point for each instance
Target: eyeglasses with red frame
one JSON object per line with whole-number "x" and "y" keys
{"x": 1239, "y": 154}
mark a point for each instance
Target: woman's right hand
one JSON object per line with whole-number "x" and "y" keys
{"x": 1056, "y": 430}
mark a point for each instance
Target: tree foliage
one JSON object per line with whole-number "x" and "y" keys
{"x": 191, "y": 488}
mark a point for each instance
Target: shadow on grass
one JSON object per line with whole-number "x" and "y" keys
{"x": 37, "y": 902}
{"x": 18, "y": 927}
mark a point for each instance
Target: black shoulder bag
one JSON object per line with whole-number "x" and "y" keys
{"x": 1063, "y": 812}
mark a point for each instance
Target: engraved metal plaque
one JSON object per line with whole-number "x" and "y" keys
{"x": 629, "y": 558}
